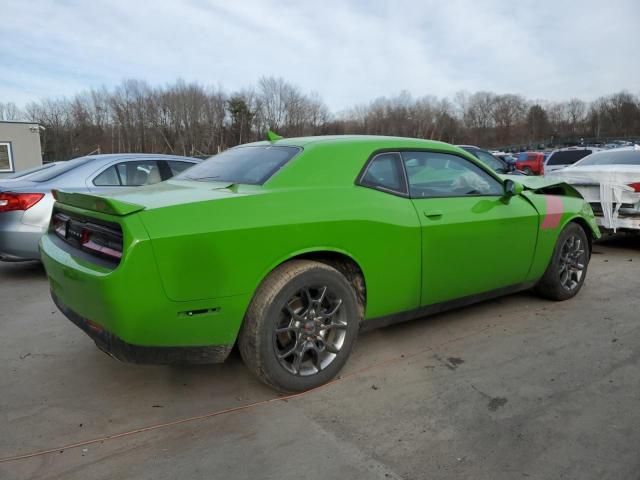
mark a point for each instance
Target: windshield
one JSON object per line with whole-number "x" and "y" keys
{"x": 567, "y": 157}
{"x": 53, "y": 170}
{"x": 490, "y": 161}
{"x": 250, "y": 165}
{"x": 627, "y": 157}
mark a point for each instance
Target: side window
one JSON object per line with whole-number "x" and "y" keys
{"x": 385, "y": 172}
{"x": 177, "y": 167}
{"x": 434, "y": 174}
{"x": 130, "y": 174}
{"x": 108, "y": 178}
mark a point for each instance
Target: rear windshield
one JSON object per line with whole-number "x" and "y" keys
{"x": 56, "y": 169}
{"x": 627, "y": 157}
{"x": 29, "y": 171}
{"x": 568, "y": 157}
{"x": 250, "y": 165}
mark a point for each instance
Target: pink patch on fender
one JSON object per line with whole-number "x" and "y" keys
{"x": 555, "y": 209}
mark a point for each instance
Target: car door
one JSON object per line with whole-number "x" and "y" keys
{"x": 474, "y": 238}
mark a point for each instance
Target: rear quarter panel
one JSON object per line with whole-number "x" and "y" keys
{"x": 226, "y": 247}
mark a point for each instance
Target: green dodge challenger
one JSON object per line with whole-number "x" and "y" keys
{"x": 290, "y": 247}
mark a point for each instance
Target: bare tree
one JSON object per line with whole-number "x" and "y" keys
{"x": 191, "y": 119}
{"x": 9, "y": 111}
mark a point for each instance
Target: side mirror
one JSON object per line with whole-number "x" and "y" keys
{"x": 512, "y": 188}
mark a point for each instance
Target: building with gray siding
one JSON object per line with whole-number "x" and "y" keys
{"x": 19, "y": 147}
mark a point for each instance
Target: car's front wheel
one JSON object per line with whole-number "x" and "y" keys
{"x": 300, "y": 326}
{"x": 567, "y": 270}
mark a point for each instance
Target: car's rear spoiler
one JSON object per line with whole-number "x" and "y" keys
{"x": 96, "y": 203}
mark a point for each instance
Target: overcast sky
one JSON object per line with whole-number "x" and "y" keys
{"x": 349, "y": 52}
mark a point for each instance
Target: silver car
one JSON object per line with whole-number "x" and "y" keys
{"x": 610, "y": 181}
{"x": 26, "y": 201}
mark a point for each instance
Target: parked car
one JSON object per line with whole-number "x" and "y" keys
{"x": 509, "y": 159}
{"x": 26, "y": 200}
{"x": 610, "y": 182}
{"x": 563, "y": 157}
{"x": 530, "y": 163}
{"x": 291, "y": 246}
{"x": 497, "y": 164}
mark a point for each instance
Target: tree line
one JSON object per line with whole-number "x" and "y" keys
{"x": 192, "y": 119}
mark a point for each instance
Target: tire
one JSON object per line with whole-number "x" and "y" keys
{"x": 315, "y": 310}
{"x": 527, "y": 171}
{"x": 563, "y": 278}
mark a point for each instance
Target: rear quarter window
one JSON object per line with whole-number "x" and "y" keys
{"x": 251, "y": 165}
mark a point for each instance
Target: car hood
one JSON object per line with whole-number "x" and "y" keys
{"x": 534, "y": 182}
{"x": 165, "y": 194}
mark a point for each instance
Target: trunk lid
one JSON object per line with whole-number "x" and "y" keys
{"x": 16, "y": 184}
{"x": 165, "y": 194}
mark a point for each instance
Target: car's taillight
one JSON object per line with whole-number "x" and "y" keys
{"x": 10, "y": 201}
{"x": 59, "y": 225}
{"x": 635, "y": 186}
{"x": 101, "y": 242}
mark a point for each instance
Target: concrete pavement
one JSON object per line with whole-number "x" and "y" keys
{"x": 513, "y": 388}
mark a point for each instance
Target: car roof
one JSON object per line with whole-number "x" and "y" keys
{"x": 568, "y": 149}
{"x": 374, "y": 140}
{"x": 134, "y": 156}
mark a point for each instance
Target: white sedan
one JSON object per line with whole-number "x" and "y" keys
{"x": 610, "y": 181}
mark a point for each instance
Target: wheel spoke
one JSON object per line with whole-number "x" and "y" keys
{"x": 292, "y": 312}
{"x": 337, "y": 326}
{"x": 564, "y": 277}
{"x": 297, "y": 362}
{"x": 290, "y": 328}
{"x": 289, "y": 352}
{"x": 317, "y": 361}
{"x": 331, "y": 348}
{"x": 323, "y": 293}
{"x": 335, "y": 309}
{"x": 307, "y": 294}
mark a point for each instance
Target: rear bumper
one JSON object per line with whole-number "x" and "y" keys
{"x": 127, "y": 352}
{"x": 621, "y": 223}
{"x": 128, "y": 304}
{"x": 18, "y": 242}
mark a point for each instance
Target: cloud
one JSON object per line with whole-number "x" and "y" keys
{"x": 348, "y": 52}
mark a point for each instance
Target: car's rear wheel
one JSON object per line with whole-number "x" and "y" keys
{"x": 567, "y": 270}
{"x": 527, "y": 171}
{"x": 300, "y": 326}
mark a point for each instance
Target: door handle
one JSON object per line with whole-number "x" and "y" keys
{"x": 433, "y": 214}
